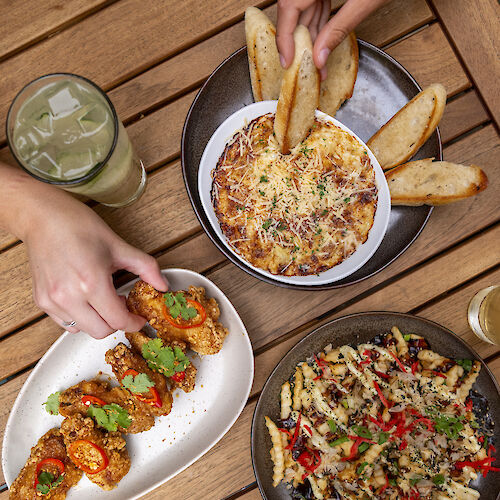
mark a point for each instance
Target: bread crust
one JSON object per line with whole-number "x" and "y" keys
{"x": 299, "y": 95}
{"x": 342, "y": 70}
{"x": 389, "y": 160}
{"x": 266, "y": 72}
{"x": 425, "y": 182}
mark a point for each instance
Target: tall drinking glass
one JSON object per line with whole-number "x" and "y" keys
{"x": 63, "y": 130}
{"x": 484, "y": 314}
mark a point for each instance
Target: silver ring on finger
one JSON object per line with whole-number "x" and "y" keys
{"x": 68, "y": 324}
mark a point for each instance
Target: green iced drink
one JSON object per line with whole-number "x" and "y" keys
{"x": 63, "y": 130}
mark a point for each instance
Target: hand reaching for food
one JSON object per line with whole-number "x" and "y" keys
{"x": 325, "y": 34}
{"x": 72, "y": 254}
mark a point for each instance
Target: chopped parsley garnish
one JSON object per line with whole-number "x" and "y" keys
{"x": 438, "y": 479}
{"x": 138, "y": 384}
{"x": 466, "y": 364}
{"x": 52, "y": 404}
{"x": 451, "y": 426}
{"x": 338, "y": 441}
{"x": 392, "y": 481}
{"x": 324, "y": 212}
{"x": 47, "y": 482}
{"x": 275, "y": 201}
{"x": 262, "y": 193}
{"x": 347, "y": 200}
{"x": 266, "y": 224}
{"x": 177, "y": 305}
{"x": 263, "y": 178}
{"x": 110, "y": 416}
{"x": 164, "y": 359}
{"x": 305, "y": 151}
{"x": 332, "y": 425}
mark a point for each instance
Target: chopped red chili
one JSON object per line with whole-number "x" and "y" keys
{"x": 295, "y": 434}
{"x": 381, "y": 395}
{"x": 398, "y": 361}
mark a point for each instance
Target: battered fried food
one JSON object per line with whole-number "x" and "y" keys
{"x": 185, "y": 382}
{"x": 126, "y": 364}
{"x": 102, "y": 455}
{"x": 206, "y": 336}
{"x": 48, "y": 455}
{"x": 78, "y": 398}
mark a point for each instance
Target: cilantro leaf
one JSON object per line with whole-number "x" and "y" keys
{"x": 46, "y": 482}
{"x": 110, "y": 416}
{"x": 138, "y": 384}
{"x": 451, "y": 426}
{"x": 163, "y": 359}
{"x": 360, "y": 468}
{"x": 52, "y": 404}
{"x": 177, "y": 306}
{"x": 438, "y": 479}
{"x": 43, "y": 488}
{"x": 263, "y": 178}
{"x": 45, "y": 477}
{"x": 466, "y": 364}
{"x": 383, "y": 437}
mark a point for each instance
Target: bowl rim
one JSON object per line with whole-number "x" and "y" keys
{"x": 198, "y": 210}
{"x": 362, "y": 254}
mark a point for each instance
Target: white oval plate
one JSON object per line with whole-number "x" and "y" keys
{"x": 197, "y": 422}
{"x": 215, "y": 148}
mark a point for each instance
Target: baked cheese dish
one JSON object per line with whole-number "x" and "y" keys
{"x": 296, "y": 214}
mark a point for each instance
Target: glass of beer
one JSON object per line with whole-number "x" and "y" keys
{"x": 484, "y": 314}
{"x": 63, "y": 130}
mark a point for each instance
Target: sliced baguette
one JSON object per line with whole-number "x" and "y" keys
{"x": 342, "y": 69}
{"x": 401, "y": 137}
{"x": 266, "y": 72}
{"x": 427, "y": 182}
{"x": 299, "y": 95}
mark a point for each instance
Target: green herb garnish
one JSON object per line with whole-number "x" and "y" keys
{"x": 466, "y": 364}
{"x": 438, "y": 479}
{"x": 163, "y": 359}
{"x": 360, "y": 468}
{"x": 46, "y": 482}
{"x": 407, "y": 337}
{"x": 263, "y": 178}
{"x": 451, "y": 426}
{"x": 177, "y": 306}
{"x": 52, "y": 404}
{"x": 338, "y": 441}
{"x": 416, "y": 479}
{"x": 267, "y": 223}
{"x": 139, "y": 384}
{"x": 362, "y": 431}
{"x": 345, "y": 404}
{"x": 383, "y": 437}
{"x": 110, "y": 416}
{"x": 363, "y": 447}
{"x": 347, "y": 200}
{"x": 332, "y": 425}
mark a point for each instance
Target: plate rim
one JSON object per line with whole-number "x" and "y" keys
{"x": 304, "y": 340}
{"x": 199, "y": 455}
{"x": 222, "y": 247}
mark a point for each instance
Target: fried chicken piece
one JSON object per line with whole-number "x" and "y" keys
{"x": 86, "y": 442}
{"x": 122, "y": 358}
{"x": 149, "y": 303}
{"x": 50, "y": 445}
{"x": 138, "y": 339}
{"x": 70, "y": 403}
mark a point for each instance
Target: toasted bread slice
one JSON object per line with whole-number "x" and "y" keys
{"x": 342, "y": 69}
{"x": 299, "y": 95}
{"x": 266, "y": 72}
{"x": 427, "y": 182}
{"x": 401, "y": 137}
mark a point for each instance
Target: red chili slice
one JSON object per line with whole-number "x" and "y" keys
{"x": 182, "y": 324}
{"x": 397, "y": 361}
{"x": 72, "y": 452}
{"x": 154, "y": 397}
{"x": 179, "y": 376}
{"x": 295, "y": 434}
{"x": 354, "y": 450}
{"x": 382, "y": 375}
{"x": 439, "y": 374}
{"x": 88, "y": 400}
{"x": 54, "y": 462}
{"x": 414, "y": 367}
{"x": 380, "y": 394}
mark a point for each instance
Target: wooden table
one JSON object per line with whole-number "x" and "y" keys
{"x": 152, "y": 57}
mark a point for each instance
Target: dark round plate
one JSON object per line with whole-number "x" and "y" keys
{"x": 355, "y": 329}
{"x": 382, "y": 87}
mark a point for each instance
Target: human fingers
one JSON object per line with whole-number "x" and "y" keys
{"x": 339, "y": 26}
{"x": 314, "y": 24}
{"x": 140, "y": 263}
{"x": 288, "y": 17}
{"x": 112, "y": 308}
{"x": 61, "y": 322}
{"x": 90, "y": 321}
{"x": 307, "y": 15}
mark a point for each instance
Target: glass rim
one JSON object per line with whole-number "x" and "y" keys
{"x": 96, "y": 169}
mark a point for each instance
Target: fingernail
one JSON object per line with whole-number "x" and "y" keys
{"x": 282, "y": 61}
{"x": 323, "y": 56}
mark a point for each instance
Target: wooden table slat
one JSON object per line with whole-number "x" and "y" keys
{"x": 473, "y": 27}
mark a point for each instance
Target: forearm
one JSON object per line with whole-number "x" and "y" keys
{"x": 23, "y": 200}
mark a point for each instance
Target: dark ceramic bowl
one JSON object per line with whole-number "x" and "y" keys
{"x": 382, "y": 87}
{"x": 355, "y": 329}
